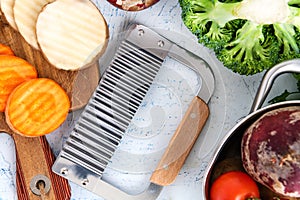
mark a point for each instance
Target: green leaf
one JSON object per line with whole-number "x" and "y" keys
{"x": 284, "y": 96}
{"x": 281, "y": 97}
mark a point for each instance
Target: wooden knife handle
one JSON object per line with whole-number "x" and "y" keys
{"x": 181, "y": 143}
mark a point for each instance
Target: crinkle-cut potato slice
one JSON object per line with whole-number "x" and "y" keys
{"x": 25, "y": 14}
{"x": 72, "y": 34}
{"x": 37, "y": 107}
{"x": 7, "y": 9}
{"x": 6, "y": 50}
{"x": 13, "y": 71}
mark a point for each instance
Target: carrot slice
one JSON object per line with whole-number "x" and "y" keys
{"x": 13, "y": 71}
{"x": 37, "y": 107}
{"x": 5, "y": 50}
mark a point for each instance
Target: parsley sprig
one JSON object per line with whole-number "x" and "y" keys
{"x": 286, "y": 95}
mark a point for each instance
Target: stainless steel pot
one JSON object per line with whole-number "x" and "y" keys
{"x": 230, "y": 144}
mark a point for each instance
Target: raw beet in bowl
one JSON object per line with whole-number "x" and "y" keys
{"x": 271, "y": 150}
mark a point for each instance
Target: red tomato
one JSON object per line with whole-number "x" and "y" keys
{"x": 234, "y": 185}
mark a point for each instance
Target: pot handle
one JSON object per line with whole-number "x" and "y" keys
{"x": 292, "y": 66}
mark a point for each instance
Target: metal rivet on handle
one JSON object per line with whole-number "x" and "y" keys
{"x": 193, "y": 115}
{"x": 85, "y": 182}
{"x": 141, "y": 32}
{"x": 35, "y": 181}
{"x": 64, "y": 171}
{"x": 161, "y": 43}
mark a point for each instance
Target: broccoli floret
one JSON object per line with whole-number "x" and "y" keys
{"x": 248, "y": 36}
{"x": 207, "y": 19}
{"x": 287, "y": 37}
{"x": 252, "y": 51}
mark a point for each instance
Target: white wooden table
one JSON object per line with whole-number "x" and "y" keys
{"x": 231, "y": 101}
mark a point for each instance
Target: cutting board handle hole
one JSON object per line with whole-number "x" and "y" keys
{"x": 40, "y": 185}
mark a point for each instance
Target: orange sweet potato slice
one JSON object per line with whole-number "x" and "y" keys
{"x": 37, "y": 107}
{"x": 5, "y": 50}
{"x": 13, "y": 71}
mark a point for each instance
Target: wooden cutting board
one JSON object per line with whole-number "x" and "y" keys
{"x": 34, "y": 157}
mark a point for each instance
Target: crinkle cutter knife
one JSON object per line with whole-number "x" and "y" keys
{"x": 104, "y": 120}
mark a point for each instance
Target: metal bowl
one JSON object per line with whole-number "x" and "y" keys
{"x": 230, "y": 145}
